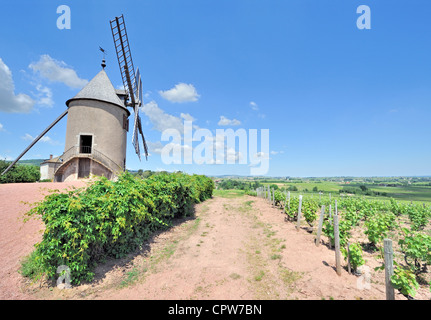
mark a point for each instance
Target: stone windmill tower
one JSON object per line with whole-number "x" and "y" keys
{"x": 98, "y": 121}
{"x": 96, "y": 134}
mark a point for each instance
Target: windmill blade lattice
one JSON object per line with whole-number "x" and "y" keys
{"x": 131, "y": 80}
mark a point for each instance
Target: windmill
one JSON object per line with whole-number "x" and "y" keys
{"x": 131, "y": 81}
{"x": 97, "y": 120}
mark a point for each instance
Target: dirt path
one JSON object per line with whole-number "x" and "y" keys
{"x": 17, "y": 239}
{"x": 234, "y": 248}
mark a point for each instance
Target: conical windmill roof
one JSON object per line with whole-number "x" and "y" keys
{"x": 99, "y": 88}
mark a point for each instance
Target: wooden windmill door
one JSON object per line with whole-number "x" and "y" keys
{"x": 84, "y": 168}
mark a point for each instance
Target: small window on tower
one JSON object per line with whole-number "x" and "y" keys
{"x": 125, "y": 123}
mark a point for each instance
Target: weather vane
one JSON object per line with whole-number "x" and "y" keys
{"x": 104, "y": 56}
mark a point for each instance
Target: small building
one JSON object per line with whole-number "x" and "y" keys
{"x": 48, "y": 167}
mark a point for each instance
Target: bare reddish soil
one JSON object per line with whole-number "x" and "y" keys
{"x": 233, "y": 248}
{"x": 16, "y": 237}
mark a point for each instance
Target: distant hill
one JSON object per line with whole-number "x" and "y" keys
{"x": 34, "y": 162}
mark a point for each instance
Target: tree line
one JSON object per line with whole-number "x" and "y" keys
{"x": 19, "y": 173}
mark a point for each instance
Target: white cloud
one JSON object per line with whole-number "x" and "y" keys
{"x": 162, "y": 120}
{"x": 215, "y": 161}
{"x": 44, "y": 139}
{"x": 6, "y": 158}
{"x": 233, "y": 156}
{"x": 276, "y": 152}
{"x": 155, "y": 147}
{"x": 254, "y": 106}
{"x": 28, "y": 137}
{"x": 9, "y": 102}
{"x": 47, "y": 139}
{"x": 227, "y": 122}
{"x": 261, "y": 155}
{"x": 158, "y": 169}
{"x": 57, "y": 71}
{"x": 218, "y": 141}
{"x": 44, "y": 96}
{"x": 181, "y": 93}
{"x": 187, "y": 117}
{"x": 2, "y": 128}
{"x": 147, "y": 94}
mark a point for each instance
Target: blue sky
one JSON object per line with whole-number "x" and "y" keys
{"x": 337, "y": 100}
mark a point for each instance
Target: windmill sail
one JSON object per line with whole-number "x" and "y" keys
{"x": 131, "y": 80}
{"x": 138, "y": 99}
{"x": 143, "y": 138}
{"x": 139, "y": 104}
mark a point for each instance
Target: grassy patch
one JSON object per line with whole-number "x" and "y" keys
{"x": 228, "y": 193}
{"x": 259, "y": 275}
{"x": 131, "y": 277}
{"x": 31, "y": 268}
{"x": 275, "y": 256}
{"x": 289, "y": 277}
{"x": 234, "y": 276}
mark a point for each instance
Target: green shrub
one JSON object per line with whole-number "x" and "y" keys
{"x": 405, "y": 281}
{"x": 419, "y": 216}
{"x": 19, "y": 173}
{"x": 110, "y": 219}
{"x": 344, "y": 227}
{"x": 416, "y": 247}
{"x": 378, "y": 226}
{"x": 354, "y": 255}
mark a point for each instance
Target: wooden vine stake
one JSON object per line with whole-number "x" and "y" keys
{"x": 389, "y": 268}
{"x": 349, "y": 268}
{"x": 298, "y": 223}
{"x": 288, "y": 199}
{"x": 319, "y": 229}
{"x": 337, "y": 244}
{"x": 331, "y": 222}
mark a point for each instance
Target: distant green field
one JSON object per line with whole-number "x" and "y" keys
{"x": 410, "y": 193}
{"x": 302, "y": 186}
{"x": 419, "y": 192}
